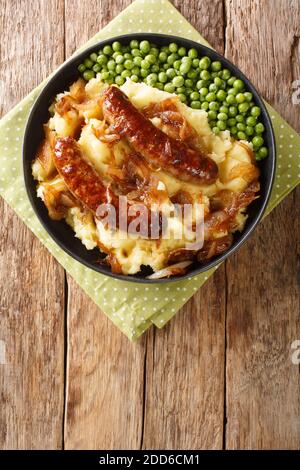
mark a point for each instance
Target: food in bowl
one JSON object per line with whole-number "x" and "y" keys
{"x": 103, "y": 142}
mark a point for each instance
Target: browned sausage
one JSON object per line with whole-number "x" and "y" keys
{"x": 154, "y": 145}
{"x": 86, "y": 185}
{"x": 80, "y": 178}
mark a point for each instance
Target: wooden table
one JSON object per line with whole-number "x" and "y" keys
{"x": 220, "y": 374}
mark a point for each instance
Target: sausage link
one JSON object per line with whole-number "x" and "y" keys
{"x": 154, "y": 145}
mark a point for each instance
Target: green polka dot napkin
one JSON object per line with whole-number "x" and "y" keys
{"x": 132, "y": 307}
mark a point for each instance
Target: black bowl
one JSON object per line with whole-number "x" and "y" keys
{"x": 60, "y": 231}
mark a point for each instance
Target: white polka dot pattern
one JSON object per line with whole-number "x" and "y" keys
{"x": 133, "y": 308}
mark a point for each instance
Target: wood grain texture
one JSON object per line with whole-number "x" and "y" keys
{"x": 229, "y": 345}
{"x": 184, "y": 400}
{"x": 104, "y": 401}
{"x": 31, "y": 281}
{"x": 263, "y": 401}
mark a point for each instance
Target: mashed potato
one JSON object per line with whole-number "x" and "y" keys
{"x": 234, "y": 160}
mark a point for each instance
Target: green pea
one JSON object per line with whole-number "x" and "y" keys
{"x": 212, "y": 115}
{"x": 211, "y": 97}
{"x": 240, "y": 98}
{"x": 134, "y": 78}
{"x": 195, "y": 63}
{"x": 125, "y": 73}
{"x": 232, "y": 111}
{"x": 194, "y": 96}
{"x": 171, "y": 73}
{"x": 165, "y": 49}
{"x": 180, "y": 89}
{"x": 251, "y": 121}
{"x": 205, "y": 75}
{"x": 145, "y": 64}
{"x": 150, "y": 81}
{"x": 136, "y": 53}
{"x": 188, "y": 90}
{"x": 205, "y": 106}
{"x": 162, "y": 57}
{"x": 221, "y": 95}
{"x": 196, "y": 105}
{"x": 144, "y": 73}
{"x": 233, "y": 130}
{"x": 173, "y": 47}
{"x": 111, "y": 65}
{"x": 193, "y": 54}
{"x": 119, "y": 80}
{"x": 238, "y": 84}
{"x": 154, "y": 51}
{"x": 263, "y": 152}
{"x": 259, "y": 128}
{"x": 137, "y": 61}
{"x": 192, "y": 74}
{"x": 120, "y": 59}
{"x": 226, "y": 74}
{"x": 104, "y": 75}
{"x": 116, "y": 54}
{"x": 203, "y": 91}
{"x": 93, "y": 56}
{"x": 119, "y": 68}
{"x": 232, "y": 91}
{"x": 222, "y": 117}
{"x": 97, "y": 68}
{"x": 116, "y": 46}
{"x": 216, "y": 130}
{"x": 181, "y": 51}
{"x": 213, "y": 88}
{"x": 154, "y": 68}
{"x": 150, "y": 58}
{"x": 216, "y": 66}
{"x": 231, "y": 122}
{"x": 189, "y": 83}
{"x": 88, "y": 63}
{"x": 162, "y": 77}
{"x": 214, "y": 106}
{"x": 241, "y": 135}
{"x": 230, "y": 99}
{"x": 240, "y": 118}
{"x": 107, "y": 50}
{"x": 231, "y": 80}
{"x": 184, "y": 68}
{"x": 202, "y": 84}
{"x": 240, "y": 126}
{"x": 127, "y": 56}
{"x": 248, "y": 96}
{"x": 81, "y": 68}
{"x": 243, "y": 107}
{"x": 249, "y": 130}
{"x": 135, "y": 71}
{"x": 221, "y": 125}
{"x": 169, "y": 88}
{"x": 255, "y": 111}
{"x": 88, "y": 74}
{"x": 178, "y": 81}
{"x": 177, "y": 64}
{"x": 224, "y": 109}
{"x": 218, "y": 81}
{"x": 257, "y": 141}
{"x": 134, "y": 44}
{"x": 182, "y": 97}
{"x": 213, "y": 123}
{"x": 204, "y": 63}
{"x": 145, "y": 46}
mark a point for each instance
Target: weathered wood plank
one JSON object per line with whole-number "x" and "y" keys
{"x": 104, "y": 399}
{"x": 263, "y": 403}
{"x": 185, "y": 362}
{"x": 31, "y": 281}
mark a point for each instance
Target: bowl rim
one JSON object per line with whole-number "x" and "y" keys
{"x": 77, "y": 58}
